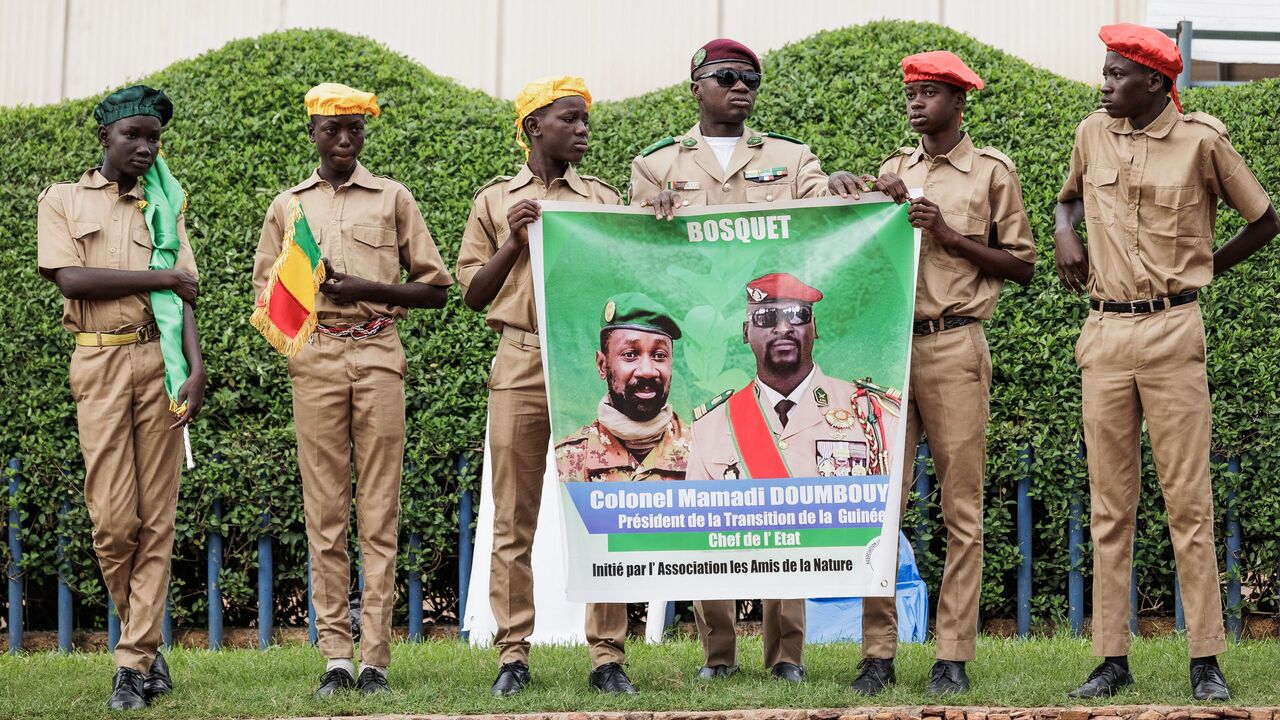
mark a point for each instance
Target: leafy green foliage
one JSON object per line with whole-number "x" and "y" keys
{"x": 238, "y": 139}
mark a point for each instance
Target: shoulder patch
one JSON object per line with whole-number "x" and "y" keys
{"x": 788, "y": 138}
{"x": 711, "y": 404}
{"x": 994, "y": 153}
{"x": 892, "y": 397}
{"x": 658, "y": 146}
{"x": 1206, "y": 119}
{"x": 595, "y": 179}
{"x": 492, "y": 182}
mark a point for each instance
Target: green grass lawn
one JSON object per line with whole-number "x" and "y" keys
{"x": 450, "y": 677}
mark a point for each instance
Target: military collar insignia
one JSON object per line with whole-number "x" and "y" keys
{"x": 754, "y": 140}
{"x": 689, "y": 142}
{"x": 820, "y": 397}
{"x": 765, "y": 174}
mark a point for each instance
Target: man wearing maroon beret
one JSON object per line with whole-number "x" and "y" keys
{"x": 720, "y": 160}
{"x": 792, "y": 416}
{"x": 975, "y": 236}
{"x": 1146, "y": 179}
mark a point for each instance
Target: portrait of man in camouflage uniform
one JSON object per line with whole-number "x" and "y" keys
{"x": 636, "y": 435}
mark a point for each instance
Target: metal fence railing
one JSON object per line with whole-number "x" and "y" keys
{"x": 266, "y": 567}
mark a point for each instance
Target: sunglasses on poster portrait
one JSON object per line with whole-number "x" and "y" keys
{"x": 728, "y": 77}
{"x": 795, "y": 315}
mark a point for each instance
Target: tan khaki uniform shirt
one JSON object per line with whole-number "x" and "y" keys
{"x": 486, "y": 231}
{"x": 1151, "y": 200}
{"x": 88, "y": 224}
{"x": 783, "y": 170}
{"x": 978, "y": 192}
{"x": 822, "y": 437}
{"x": 369, "y": 227}
{"x": 593, "y": 454}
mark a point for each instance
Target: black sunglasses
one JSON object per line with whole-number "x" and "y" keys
{"x": 795, "y": 315}
{"x": 728, "y": 77}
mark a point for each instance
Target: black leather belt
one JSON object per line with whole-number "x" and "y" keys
{"x": 929, "y": 327}
{"x": 1140, "y": 307}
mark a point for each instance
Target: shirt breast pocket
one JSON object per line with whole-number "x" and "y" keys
{"x": 769, "y": 192}
{"x": 694, "y": 198}
{"x": 89, "y": 243}
{"x": 140, "y": 252}
{"x": 374, "y": 254}
{"x": 971, "y": 227}
{"x": 1100, "y": 194}
{"x": 1179, "y": 215}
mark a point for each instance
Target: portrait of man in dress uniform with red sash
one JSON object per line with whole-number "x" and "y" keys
{"x": 791, "y": 421}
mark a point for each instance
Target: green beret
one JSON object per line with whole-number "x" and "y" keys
{"x": 639, "y": 312}
{"x": 135, "y": 100}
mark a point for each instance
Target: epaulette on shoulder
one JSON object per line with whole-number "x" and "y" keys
{"x": 46, "y": 191}
{"x": 889, "y": 395}
{"x": 903, "y": 151}
{"x": 593, "y": 178}
{"x": 994, "y": 153}
{"x": 1206, "y": 119}
{"x": 664, "y": 142}
{"x": 788, "y": 138}
{"x": 711, "y": 404}
{"x": 492, "y": 182}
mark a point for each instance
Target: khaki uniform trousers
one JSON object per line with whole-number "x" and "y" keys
{"x": 351, "y": 393}
{"x": 949, "y": 402}
{"x": 519, "y": 435}
{"x": 782, "y": 631}
{"x": 1152, "y": 366}
{"x": 132, "y": 465}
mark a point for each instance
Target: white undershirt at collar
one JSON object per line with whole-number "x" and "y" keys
{"x": 773, "y": 397}
{"x": 723, "y": 148}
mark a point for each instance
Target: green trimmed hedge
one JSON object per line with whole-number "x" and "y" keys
{"x": 238, "y": 139}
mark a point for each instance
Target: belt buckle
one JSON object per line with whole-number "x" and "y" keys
{"x": 1140, "y": 306}
{"x": 146, "y": 334}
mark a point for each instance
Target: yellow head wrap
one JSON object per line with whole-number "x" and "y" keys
{"x": 338, "y": 99}
{"x": 543, "y": 92}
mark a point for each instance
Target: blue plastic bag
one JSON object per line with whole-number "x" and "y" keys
{"x": 840, "y": 619}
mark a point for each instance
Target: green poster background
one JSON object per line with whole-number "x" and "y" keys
{"x": 860, "y": 255}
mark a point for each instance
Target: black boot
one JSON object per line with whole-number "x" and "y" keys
{"x": 1106, "y": 680}
{"x": 334, "y": 681}
{"x": 1207, "y": 682}
{"x": 157, "y": 681}
{"x": 610, "y": 678}
{"x": 126, "y": 690}
{"x": 512, "y": 678}
{"x": 947, "y": 678}
{"x": 874, "y": 675}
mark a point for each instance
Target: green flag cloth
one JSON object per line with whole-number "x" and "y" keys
{"x": 165, "y": 202}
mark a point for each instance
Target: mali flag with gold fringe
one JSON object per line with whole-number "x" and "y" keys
{"x": 285, "y": 314}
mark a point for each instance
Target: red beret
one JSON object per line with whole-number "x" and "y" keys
{"x": 723, "y": 50}
{"x": 940, "y": 66}
{"x": 1147, "y": 47}
{"x": 780, "y": 286}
